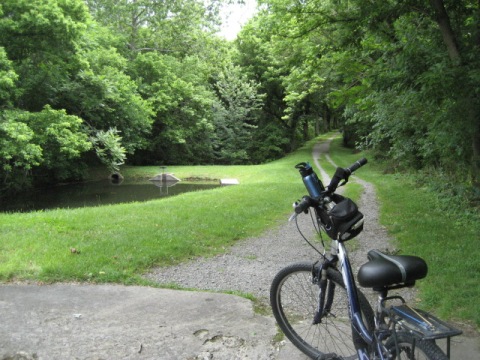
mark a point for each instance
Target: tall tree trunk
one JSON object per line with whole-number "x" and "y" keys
{"x": 306, "y": 116}
{"x": 326, "y": 118}
{"x": 476, "y": 119}
{"x": 305, "y": 129}
{"x": 293, "y": 130}
{"x": 447, "y": 32}
{"x": 476, "y": 151}
{"x": 455, "y": 55}
{"x": 318, "y": 120}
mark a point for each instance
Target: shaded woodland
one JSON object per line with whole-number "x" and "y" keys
{"x": 148, "y": 82}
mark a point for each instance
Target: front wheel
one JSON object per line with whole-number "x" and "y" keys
{"x": 408, "y": 347}
{"x": 294, "y": 299}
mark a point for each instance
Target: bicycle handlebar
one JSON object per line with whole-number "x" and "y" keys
{"x": 313, "y": 199}
{"x": 304, "y": 204}
{"x": 357, "y": 165}
{"x": 344, "y": 174}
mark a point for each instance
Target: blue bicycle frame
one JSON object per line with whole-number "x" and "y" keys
{"x": 354, "y": 305}
{"x": 421, "y": 323}
{"x": 341, "y": 225}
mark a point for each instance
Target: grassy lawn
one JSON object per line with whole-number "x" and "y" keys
{"x": 422, "y": 225}
{"x": 118, "y": 243}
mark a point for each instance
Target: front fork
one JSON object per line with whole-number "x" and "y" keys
{"x": 325, "y": 300}
{"x": 326, "y": 293}
{"x": 362, "y": 337}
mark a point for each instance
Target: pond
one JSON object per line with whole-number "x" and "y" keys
{"x": 97, "y": 193}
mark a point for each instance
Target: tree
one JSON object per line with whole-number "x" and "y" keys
{"x": 40, "y": 38}
{"x": 106, "y": 97}
{"x": 109, "y": 149}
{"x": 468, "y": 57}
{"x": 404, "y": 74}
{"x": 181, "y": 100}
{"x": 170, "y": 26}
{"x": 66, "y": 61}
{"x": 8, "y": 77}
{"x": 17, "y": 153}
{"x": 40, "y": 146}
{"x": 256, "y": 56}
{"x": 235, "y": 115}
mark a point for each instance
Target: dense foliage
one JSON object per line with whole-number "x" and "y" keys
{"x": 150, "y": 82}
{"x": 403, "y": 75}
{"x": 143, "y": 81}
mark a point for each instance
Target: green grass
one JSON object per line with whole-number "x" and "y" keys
{"x": 118, "y": 243}
{"x": 422, "y": 225}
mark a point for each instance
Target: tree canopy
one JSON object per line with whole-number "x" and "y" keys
{"x": 401, "y": 75}
{"x": 151, "y": 82}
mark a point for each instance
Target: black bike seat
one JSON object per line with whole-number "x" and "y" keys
{"x": 384, "y": 270}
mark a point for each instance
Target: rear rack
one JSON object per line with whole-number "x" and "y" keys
{"x": 422, "y": 323}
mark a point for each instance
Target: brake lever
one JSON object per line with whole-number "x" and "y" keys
{"x": 345, "y": 180}
{"x": 292, "y": 217}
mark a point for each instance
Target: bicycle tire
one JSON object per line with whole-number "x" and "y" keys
{"x": 424, "y": 349}
{"x": 294, "y": 300}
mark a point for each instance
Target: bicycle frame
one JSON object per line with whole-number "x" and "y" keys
{"x": 378, "y": 334}
{"x": 338, "y": 249}
{"x": 423, "y": 324}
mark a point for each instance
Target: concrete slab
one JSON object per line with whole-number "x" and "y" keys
{"x": 65, "y": 321}
{"x": 78, "y": 321}
{"x": 229, "y": 182}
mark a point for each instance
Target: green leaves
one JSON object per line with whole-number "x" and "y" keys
{"x": 181, "y": 100}
{"x": 41, "y": 26}
{"x": 387, "y": 69}
{"x": 108, "y": 147}
{"x": 235, "y": 115}
{"x": 8, "y": 78}
{"x": 50, "y": 139}
{"x": 16, "y": 147}
{"x": 60, "y": 135}
{"x": 40, "y": 39}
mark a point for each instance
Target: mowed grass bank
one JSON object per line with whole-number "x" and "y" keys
{"x": 425, "y": 223}
{"x": 118, "y": 243}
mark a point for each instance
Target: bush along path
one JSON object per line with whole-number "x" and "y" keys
{"x": 249, "y": 266}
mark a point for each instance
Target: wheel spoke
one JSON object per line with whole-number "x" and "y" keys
{"x": 295, "y": 300}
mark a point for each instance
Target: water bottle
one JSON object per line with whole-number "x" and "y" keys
{"x": 310, "y": 179}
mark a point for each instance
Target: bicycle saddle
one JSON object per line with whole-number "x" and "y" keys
{"x": 384, "y": 270}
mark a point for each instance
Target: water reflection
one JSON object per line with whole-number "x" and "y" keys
{"x": 98, "y": 193}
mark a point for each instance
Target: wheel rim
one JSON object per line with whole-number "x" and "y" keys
{"x": 298, "y": 299}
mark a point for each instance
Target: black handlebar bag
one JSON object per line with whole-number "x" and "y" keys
{"x": 344, "y": 221}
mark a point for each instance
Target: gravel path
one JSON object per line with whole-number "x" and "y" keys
{"x": 251, "y": 264}
{"x": 144, "y": 323}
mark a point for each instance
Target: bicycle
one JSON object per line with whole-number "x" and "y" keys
{"x": 318, "y": 305}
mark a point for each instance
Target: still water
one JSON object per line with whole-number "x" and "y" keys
{"x": 97, "y": 193}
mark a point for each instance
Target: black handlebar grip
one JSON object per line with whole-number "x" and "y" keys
{"x": 358, "y": 164}
{"x": 303, "y": 205}
{"x": 343, "y": 174}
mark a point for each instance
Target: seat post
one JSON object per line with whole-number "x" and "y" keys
{"x": 382, "y": 295}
